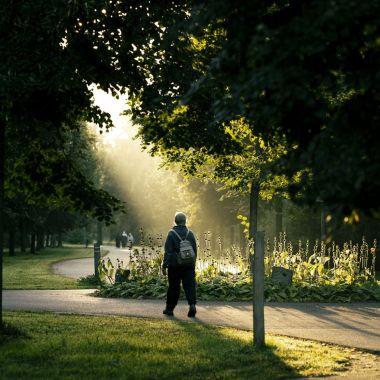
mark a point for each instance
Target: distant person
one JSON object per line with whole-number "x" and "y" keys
{"x": 118, "y": 240}
{"x": 124, "y": 239}
{"x": 131, "y": 240}
{"x": 178, "y": 265}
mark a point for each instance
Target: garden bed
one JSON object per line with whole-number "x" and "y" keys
{"x": 325, "y": 273}
{"x": 239, "y": 288}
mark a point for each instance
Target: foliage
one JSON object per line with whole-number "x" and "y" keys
{"x": 44, "y": 100}
{"x": 306, "y": 292}
{"x": 236, "y": 287}
{"x": 104, "y": 347}
{"x": 89, "y": 281}
{"x": 225, "y": 276}
{"x": 300, "y": 72}
{"x": 233, "y": 173}
{"x": 324, "y": 263}
{"x": 142, "y": 263}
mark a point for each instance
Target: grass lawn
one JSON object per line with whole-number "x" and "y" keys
{"x": 28, "y": 271}
{"x": 56, "y": 346}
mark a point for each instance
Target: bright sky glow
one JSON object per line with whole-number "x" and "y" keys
{"x": 123, "y": 126}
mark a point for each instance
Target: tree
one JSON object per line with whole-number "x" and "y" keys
{"x": 43, "y": 93}
{"x": 248, "y": 172}
{"x": 303, "y": 72}
{"x": 306, "y": 71}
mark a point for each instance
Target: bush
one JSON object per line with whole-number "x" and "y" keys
{"x": 239, "y": 288}
{"x": 322, "y": 274}
{"x": 89, "y": 281}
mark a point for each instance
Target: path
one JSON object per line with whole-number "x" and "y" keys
{"x": 356, "y": 325}
{"x": 83, "y": 267}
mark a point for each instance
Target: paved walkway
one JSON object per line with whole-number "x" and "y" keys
{"x": 356, "y": 325}
{"x": 83, "y": 267}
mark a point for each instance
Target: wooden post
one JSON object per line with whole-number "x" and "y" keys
{"x": 96, "y": 260}
{"x": 258, "y": 291}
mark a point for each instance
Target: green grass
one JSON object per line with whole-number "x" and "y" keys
{"x": 28, "y": 271}
{"x": 53, "y": 346}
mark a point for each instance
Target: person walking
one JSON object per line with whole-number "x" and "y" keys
{"x": 131, "y": 240}
{"x": 124, "y": 239}
{"x": 179, "y": 265}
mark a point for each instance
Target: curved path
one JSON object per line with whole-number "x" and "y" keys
{"x": 83, "y": 267}
{"x": 355, "y": 325}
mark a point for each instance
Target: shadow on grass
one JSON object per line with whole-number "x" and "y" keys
{"x": 89, "y": 347}
{"x": 8, "y": 333}
{"x": 238, "y": 358}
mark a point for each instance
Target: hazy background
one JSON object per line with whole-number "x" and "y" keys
{"x": 153, "y": 194}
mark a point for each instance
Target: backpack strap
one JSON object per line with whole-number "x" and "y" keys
{"x": 179, "y": 237}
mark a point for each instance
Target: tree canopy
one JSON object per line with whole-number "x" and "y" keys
{"x": 306, "y": 72}
{"x": 44, "y": 95}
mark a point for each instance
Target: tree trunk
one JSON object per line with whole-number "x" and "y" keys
{"x": 59, "y": 240}
{"x": 11, "y": 241}
{"x": 323, "y": 222}
{"x": 33, "y": 243}
{"x": 23, "y": 236}
{"x": 278, "y": 206}
{"x": 85, "y": 238}
{"x": 40, "y": 241}
{"x": 99, "y": 233}
{"x": 47, "y": 241}
{"x": 253, "y": 208}
{"x": 257, "y": 267}
{"x": 258, "y": 291}
{"x": 2, "y": 180}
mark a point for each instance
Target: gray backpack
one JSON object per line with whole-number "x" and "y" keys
{"x": 186, "y": 254}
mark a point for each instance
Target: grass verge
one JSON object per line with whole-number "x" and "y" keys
{"x": 35, "y": 271}
{"x": 90, "y": 347}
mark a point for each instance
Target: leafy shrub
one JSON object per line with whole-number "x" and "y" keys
{"x": 323, "y": 274}
{"x": 89, "y": 281}
{"x": 239, "y": 288}
{"x": 324, "y": 264}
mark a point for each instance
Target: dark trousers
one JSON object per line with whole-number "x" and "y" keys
{"x": 175, "y": 276}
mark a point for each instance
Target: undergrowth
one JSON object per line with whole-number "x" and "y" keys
{"x": 321, "y": 274}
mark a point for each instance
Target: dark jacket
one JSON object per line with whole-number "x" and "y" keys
{"x": 172, "y": 245}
